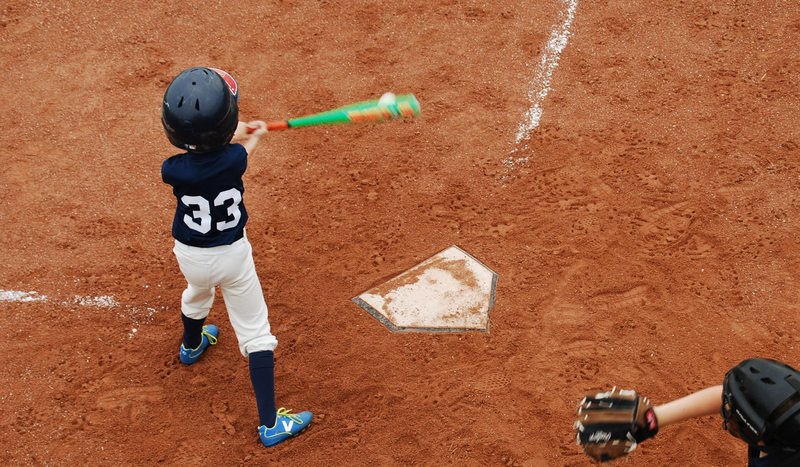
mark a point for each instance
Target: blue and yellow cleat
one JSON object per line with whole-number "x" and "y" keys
{"x": 210, "y": 333}
{"x": 286, "y": 425}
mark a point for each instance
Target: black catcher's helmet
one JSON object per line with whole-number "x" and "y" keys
{"x": 200, "y": 110}
{"x": 761, "y": 404}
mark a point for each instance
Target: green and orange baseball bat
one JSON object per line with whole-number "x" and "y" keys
{"x": 372, "y": 111}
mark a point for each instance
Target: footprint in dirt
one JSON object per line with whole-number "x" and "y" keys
{"x": 169, "y": 365}
{"x": 220, "y": 411}
{"x": 636, "y": 296}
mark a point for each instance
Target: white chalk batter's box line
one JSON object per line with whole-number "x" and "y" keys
{"x": 540, "y": 85}
{"x": 136, "y": 314}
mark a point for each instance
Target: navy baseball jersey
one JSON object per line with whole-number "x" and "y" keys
{"x": 208, "y": 187}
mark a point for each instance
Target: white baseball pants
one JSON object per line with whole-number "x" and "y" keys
{"x": 231, "y": 268}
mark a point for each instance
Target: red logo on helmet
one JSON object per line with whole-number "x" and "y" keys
{"x": 228, "y": 80}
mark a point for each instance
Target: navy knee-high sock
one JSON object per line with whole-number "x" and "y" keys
{"x": 192, "y": 331}
{"x": 262, "y": 375}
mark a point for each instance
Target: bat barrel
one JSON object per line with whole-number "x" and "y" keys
{"x": 405, "y": 105}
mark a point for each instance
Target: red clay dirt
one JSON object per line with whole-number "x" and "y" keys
{"x": 645, "y": 235}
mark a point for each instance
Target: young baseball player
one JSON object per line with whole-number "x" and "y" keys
{"x": 759, "y": 401}
{"x": 200, "y": 115}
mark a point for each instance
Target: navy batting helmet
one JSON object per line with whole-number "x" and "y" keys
{"x": 761, "y": 404}
{"x": 200, "y": 110}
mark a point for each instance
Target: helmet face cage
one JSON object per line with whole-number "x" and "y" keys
{"x": 761, "y": 404}
{"x": 200, "y": 110}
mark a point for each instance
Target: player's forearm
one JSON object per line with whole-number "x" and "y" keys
{"x": 250, "y": 144}
{"x": 241, "y": 131}
{"x": 705, "y": 402}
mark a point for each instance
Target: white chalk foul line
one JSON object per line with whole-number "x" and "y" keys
{"x": 540, "y": 86}
{"x": 136, "y": 314}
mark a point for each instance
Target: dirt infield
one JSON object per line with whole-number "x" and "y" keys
{"x": 644, "y": 230}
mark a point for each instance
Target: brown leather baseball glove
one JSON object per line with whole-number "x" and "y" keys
{"x": 611, "y": 424}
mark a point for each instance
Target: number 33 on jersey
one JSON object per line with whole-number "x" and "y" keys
{"x": 200, "y": 218}
{"x": 208, "y": 189}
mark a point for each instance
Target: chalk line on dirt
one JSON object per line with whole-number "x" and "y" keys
{"x": 102, "y": 301}
{"x": 540, "y": 85}
{"x": 20, "y": 296}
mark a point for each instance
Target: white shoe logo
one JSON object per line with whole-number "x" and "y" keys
{"x": 287, "y": 426}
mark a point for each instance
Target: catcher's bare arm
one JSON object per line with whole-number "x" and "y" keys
{"x": 701, "y": 403}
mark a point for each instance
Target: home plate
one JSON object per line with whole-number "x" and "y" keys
{"x": 449, "y": 292}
